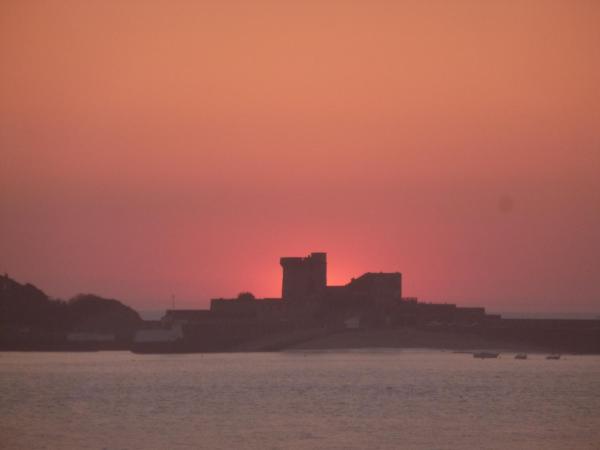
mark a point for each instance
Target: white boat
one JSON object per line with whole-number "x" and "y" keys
{"x": 521, "y": 356}
{"x": 553, "y": 357}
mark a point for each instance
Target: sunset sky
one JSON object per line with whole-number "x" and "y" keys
{"x": 151, "y": 148}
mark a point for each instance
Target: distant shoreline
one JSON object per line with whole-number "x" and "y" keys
{"x": 548, "y": 315}
{"x": 406, "y": 338}
{"x": 157, "y": 314}
{"x": 322, "y": 340}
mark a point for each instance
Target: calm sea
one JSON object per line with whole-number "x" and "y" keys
{"x": 328, "y": 400}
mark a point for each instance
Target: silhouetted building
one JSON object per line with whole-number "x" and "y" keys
{"x": 379, "y": 287}
{"x": 260, "y": 309}
{"x": 373, "y": 299}
{"x": 306, "y": 296}
{"x": 304, "y": 278}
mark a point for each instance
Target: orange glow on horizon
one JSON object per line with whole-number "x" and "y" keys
{"x": 182, "y": 147}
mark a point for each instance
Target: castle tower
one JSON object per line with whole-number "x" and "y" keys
{"x": 304, "y": 278}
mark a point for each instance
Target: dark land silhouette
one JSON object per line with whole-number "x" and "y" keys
{"x": 369, "y": 311}
{"x": 30, "y": 320}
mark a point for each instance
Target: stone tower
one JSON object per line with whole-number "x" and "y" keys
{"x": 304, "y": 278}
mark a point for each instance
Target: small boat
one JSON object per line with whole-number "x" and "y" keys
{"x": 485, "y": 355}
{"x": 553, "y": 357}
{"x": 521, "y": 356}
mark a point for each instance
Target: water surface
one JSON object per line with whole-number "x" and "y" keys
{"x": 332, "y": 400}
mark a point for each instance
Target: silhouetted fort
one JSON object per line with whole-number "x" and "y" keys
{"x": 305, "y": 295}
{"x": 308, "y": 308}
{"x": 371, "y": 299}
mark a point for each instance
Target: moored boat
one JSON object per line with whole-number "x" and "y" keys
{"x": 521, "y": 356}
{"x": 553, "y": 356}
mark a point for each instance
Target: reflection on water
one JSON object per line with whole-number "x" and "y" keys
{"x": 353, "y": 399}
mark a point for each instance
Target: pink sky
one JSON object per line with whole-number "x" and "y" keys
{"x": 173, "y": 147}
